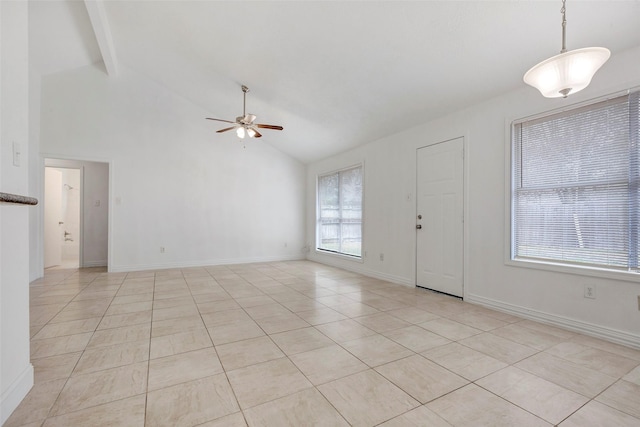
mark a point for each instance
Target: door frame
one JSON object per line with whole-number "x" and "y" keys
{"x": 465, "y": 211}
{"x": 58, "y": 160}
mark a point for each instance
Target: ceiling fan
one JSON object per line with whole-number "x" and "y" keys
{"x": 244, "y": 124}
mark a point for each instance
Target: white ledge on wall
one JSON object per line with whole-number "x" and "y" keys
{"x": 627, "y": 276}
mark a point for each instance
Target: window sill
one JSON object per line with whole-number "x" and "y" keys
{"x": 626, "y": 276}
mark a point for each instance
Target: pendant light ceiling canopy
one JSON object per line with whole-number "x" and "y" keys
{"x": 570, "y": 71}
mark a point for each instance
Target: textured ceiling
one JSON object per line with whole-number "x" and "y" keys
{"x": 334, "y": 74}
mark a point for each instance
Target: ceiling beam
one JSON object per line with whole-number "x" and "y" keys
{"x": 100, "y": 24}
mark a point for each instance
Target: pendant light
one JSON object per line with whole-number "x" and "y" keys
{"x": 570, "y": 71}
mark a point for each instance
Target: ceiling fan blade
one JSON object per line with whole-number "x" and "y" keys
{"x": 257, "y": 134}
{"x": 219, "y": 120}
{"x": 274, "y": 127}
{"x": 225, "y": 129}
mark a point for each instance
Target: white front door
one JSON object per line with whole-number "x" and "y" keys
{"x": 440, "y": 221}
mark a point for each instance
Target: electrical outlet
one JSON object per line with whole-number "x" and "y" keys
{"x": 590, "y": 291}
{"x": 381, "y": 257}
{"x": 161, "y": 249}
{"x": 638, "y": 302}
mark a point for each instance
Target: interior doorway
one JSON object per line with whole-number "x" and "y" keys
{"x": 440, "y": 217}
{"x": 75, "y": 213}
{"x": 62, "y": 217}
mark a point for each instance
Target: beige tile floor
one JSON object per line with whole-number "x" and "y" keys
{"x": 301, "y": 344}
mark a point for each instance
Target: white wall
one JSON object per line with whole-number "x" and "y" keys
{"x": 36, "y": 177}
{"x": 175, "y": 183}
{"x": 16, "y": 372}
{"x": 95, "y": 228}
{"x": 390, "y": 180}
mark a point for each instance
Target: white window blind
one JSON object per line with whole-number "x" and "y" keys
{"x": 339, "y": 227}
{"x": 575, "y": 195}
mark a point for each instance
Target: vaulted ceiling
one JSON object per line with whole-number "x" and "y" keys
{"x": 335, "y": 74}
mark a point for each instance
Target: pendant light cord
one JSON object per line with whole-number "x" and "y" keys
{"x": 564, "y": 27}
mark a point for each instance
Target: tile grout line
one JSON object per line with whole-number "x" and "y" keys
{"x": 79, "y": 358}
{"x": 217, "y": 355}
{"x": 146, "y": 388}
{"x": 291, "y": 277}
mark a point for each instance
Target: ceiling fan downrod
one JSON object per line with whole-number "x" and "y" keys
{"x": 244, "y": 100}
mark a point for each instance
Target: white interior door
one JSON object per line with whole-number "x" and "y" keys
{"x": 440, "y": 223}
{"x": 52, "y": 217}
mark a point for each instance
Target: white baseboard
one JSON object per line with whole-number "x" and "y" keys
{"x": 187, "y": 264}
{"x": 586, "y": 328}
{"x": 358, "y": 267}
{"x": 102, "y": 263}
{"x": 14, "y": 394}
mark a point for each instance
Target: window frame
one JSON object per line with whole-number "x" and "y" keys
{"x": 337, "y": 254}
{"x": 510, "y": 188}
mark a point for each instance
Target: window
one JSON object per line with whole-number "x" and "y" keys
{"x": 575, "y": 186}
{"x": 339, "y": 228}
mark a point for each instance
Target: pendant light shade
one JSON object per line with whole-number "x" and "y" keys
{"x": 570, "y": 71}
{"x": 244, "y": 130}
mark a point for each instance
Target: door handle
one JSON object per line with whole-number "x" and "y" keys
{"x": 419, "y": 226}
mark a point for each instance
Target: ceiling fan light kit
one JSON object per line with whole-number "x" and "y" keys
{"x": 244, "y": 124}
{"x": 570, "y": 71}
